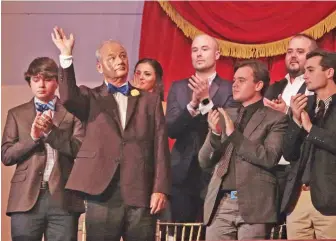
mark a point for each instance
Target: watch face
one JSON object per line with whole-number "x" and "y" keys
{"x": 205, "y": 101}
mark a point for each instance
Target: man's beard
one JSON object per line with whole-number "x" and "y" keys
{"x": 294, "y": 72}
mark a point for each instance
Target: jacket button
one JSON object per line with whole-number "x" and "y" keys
{"x": 40, "y": 173}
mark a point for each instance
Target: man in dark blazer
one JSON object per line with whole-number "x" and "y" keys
{"x": 123, "y": 165}
{"x": 188, "y": 102}
{"x": 43, "y": 148}
{"x": 310, "y": 145}
{"x": 244, "y": 145}
{"x": 278, "y": 94}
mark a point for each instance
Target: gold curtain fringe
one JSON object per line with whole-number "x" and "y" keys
{"x": 246, "y": 51}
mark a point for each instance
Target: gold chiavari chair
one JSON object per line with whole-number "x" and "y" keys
{"x": 82, "y": 225}
{"x": 279, "y": 232}
{"x": 178, "y": 231}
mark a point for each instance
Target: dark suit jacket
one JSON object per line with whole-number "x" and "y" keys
{"x": 190, "y": 132}
{"x": 323, "y": 170}
{"x": 274, "y": 90}
{"x": 30, "y": 157}
{"x": 141, "y": 151}
{"x": 259, "y": 152}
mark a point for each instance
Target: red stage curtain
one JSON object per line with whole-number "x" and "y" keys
{"x": 162, "y": 40}
{"x": 253, "y": 22}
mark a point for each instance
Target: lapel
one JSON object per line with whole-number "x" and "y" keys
{"x": 311, "y": 106}
{"x": 275, "y": 89}
{"x": 29, "y": 114}
{"x": 302, "y": 89}
{"x": 108, "y": 104}
{"x": 131, "y": 107}
{"x": 214, "y": 87}
{"x": 59, "y": 113}
{"x": 255, "y": 121}
{"x": 281, "y": 86}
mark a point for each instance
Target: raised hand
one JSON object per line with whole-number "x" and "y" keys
{"x": 277, "y": 104}
{"x": 136, "y": 81}
{"x": 306, "y": 122}
{"x": 213, "y": 120}
{"x": 298, "y": 103}
{"x": 36, "y": 132}
{"x": 63, "y": 43}
{"x": 42, "y": 124}
{"x": 229, "y": 125}
{"x": 200, "y": 89}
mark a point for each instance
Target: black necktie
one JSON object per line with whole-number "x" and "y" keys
{"x": 318, "y": 119}
{"x": 225, "y": 160}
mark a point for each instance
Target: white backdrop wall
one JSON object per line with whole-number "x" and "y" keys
{"x": 25, "y": 35}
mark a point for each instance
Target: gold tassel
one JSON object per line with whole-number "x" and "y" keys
{"x": 246, "y": 51}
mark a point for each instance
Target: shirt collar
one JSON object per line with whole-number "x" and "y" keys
{"x": 253, "y": 107}
{"x": 120, "y": 85}
{"x": 298, "y": 78}
{"x": 327, "y": 102}
{"x": 37, "y": 100}
{"x": 211, "y": 77}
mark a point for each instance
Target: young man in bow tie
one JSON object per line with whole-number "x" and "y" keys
{"x": 123, "y": 164}
{"x": 42, "y": 139}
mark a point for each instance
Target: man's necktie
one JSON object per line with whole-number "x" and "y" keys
{"x": 44, "y": 107}
{"x": 318, "y": 119}
{"x": 123, "y": 89}
{"x": 225, "y": 160}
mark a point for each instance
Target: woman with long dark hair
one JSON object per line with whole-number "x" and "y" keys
{"x": 148, "y": 75}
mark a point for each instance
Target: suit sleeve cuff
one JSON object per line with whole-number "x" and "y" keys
{"x": 215, "y": 140}
{"x": 236, "y": 138}
{"x": 65, "y": 61}
{"x": 313, "y": 133}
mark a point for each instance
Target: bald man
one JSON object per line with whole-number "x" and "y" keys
{"x": 123, "y": 166}
{"x": 189, "y": 100}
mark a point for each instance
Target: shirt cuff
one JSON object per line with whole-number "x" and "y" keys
{"x": 46, "y": 134}
{"x": 35, "y": 139}
{"x": 65, "y": 61}
{"x": 287, "y": 109}
{"x": 192, "y": 111}
{"x": 215, "y": 133}
{"x": 205, "y": 108}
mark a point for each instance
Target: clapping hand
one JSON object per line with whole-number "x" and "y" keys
{"x": 277, "y": 104}
{"x": 298, "y": 103}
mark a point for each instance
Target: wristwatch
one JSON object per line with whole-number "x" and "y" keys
{"x": 205, "y": 101}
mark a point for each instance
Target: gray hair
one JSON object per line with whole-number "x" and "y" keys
{"x": 110, "y": 41}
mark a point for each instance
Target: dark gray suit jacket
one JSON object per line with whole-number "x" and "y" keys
{"x": 323, "y": 171}
{"x": 190, "y": 132}
{"x": 259, "y": 151}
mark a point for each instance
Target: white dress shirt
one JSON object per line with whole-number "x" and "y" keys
{"x": 290, "y": 90}
{"x": 50, "y": 151}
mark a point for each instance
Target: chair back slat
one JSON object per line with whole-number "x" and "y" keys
{"x": 178, "y": 231}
